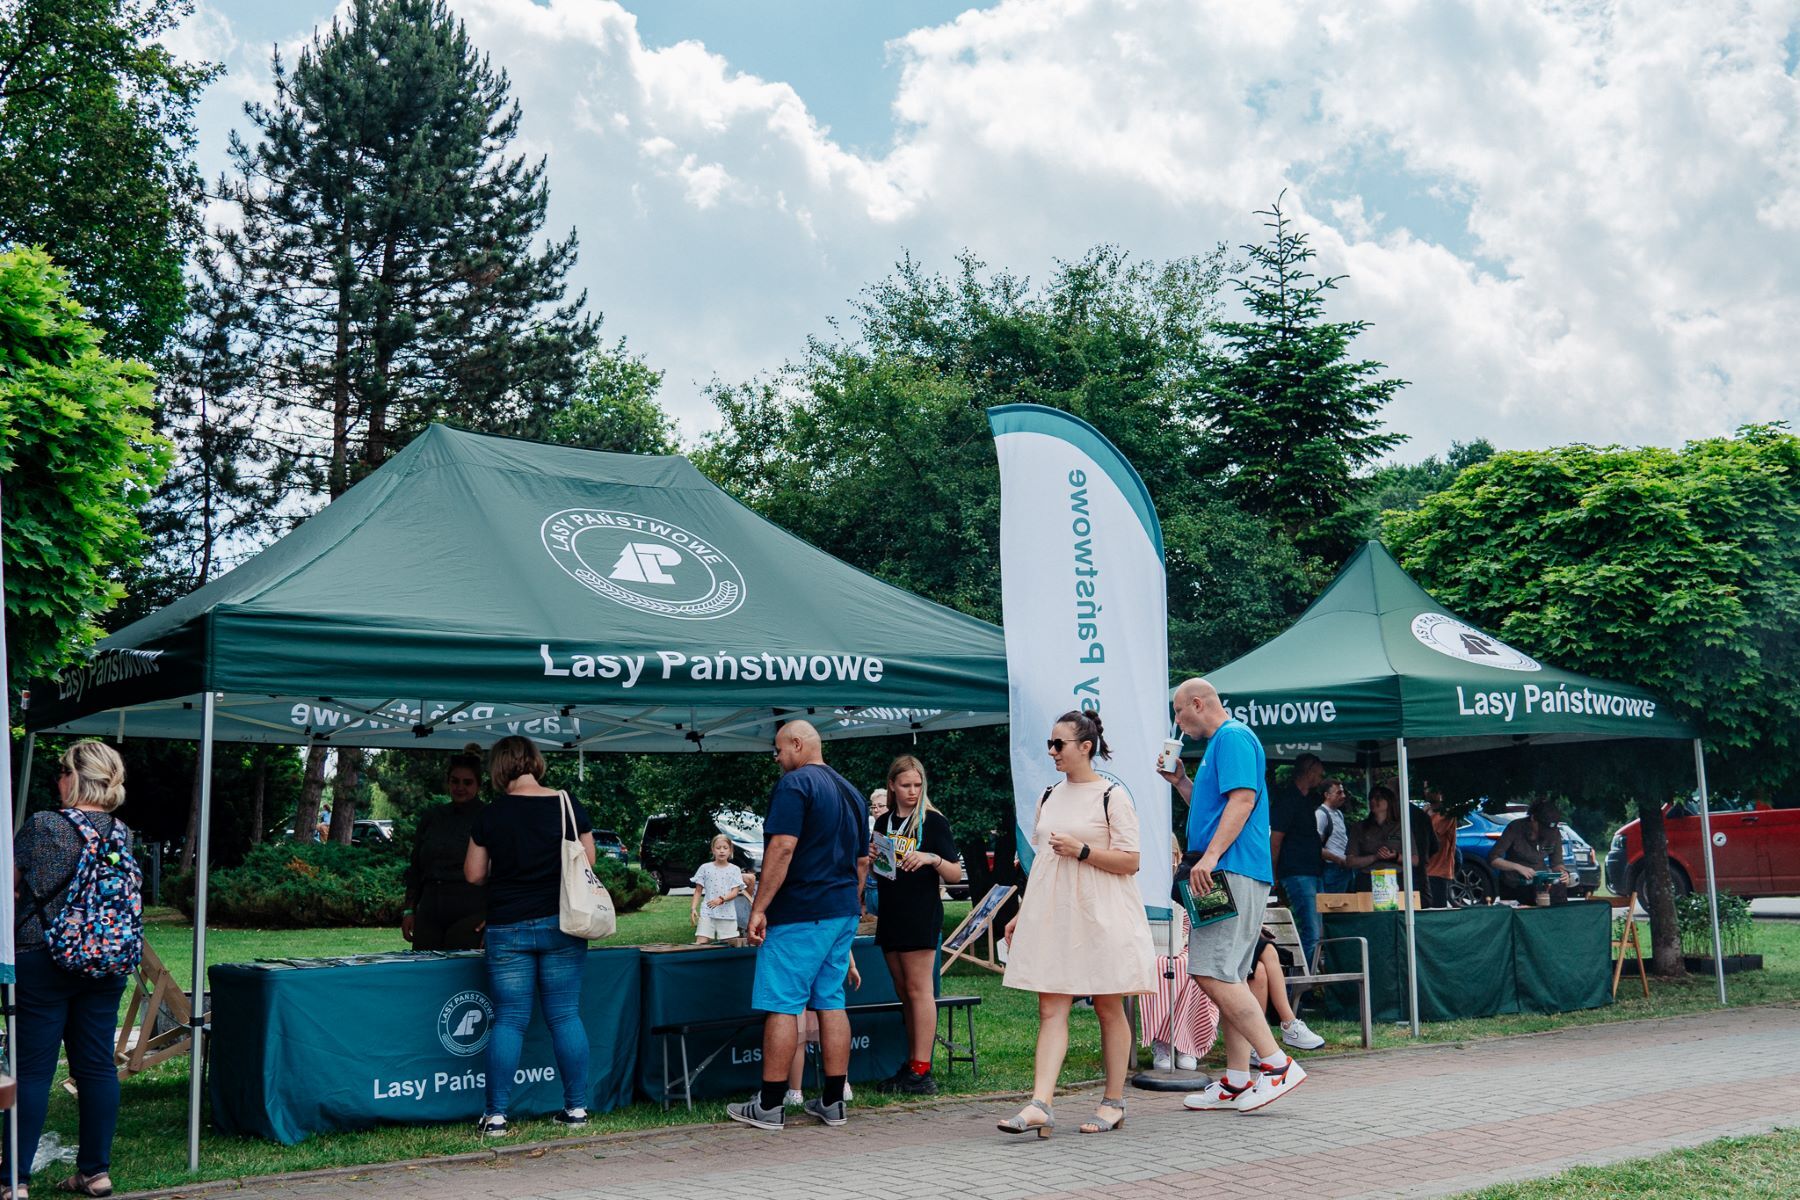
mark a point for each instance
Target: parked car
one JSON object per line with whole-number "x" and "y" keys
{"x": 1477, "y": 835}
{"x": 610, "y": 844}
{"x": 673, "y": 864}
{"x": 1755, "y": 850}
{"x": 960, "y": 889}
{"x": 371, "y": 832}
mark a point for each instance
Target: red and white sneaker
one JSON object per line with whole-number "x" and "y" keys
{"x": 1219, "y": 1096}
{"x": 1272, "y": 1084}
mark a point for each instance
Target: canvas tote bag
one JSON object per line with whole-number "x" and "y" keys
{"x": 587, "y": 907}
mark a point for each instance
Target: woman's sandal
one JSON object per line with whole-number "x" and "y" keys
{"x": 7, "y": 1193}
{"x": 1099, "y": 1124}
{"x": 1019, "y": 1124}
{"x": 87, "y": 1185}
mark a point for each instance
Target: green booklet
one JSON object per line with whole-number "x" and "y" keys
{"x": 1215, "y": 905}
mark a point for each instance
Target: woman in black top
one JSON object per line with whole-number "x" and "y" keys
{"x": 58, "y": 1007}
{"x": 1375, "y": 843}
{"x": 910, "y": 922}
{"x": 515, "y": 848}
{"x": 444, "y": 911}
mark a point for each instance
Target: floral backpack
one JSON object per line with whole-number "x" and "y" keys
{"x": 100, "y": 930}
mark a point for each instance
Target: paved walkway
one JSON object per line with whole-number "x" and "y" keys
{"x": 1418, "y": 1122}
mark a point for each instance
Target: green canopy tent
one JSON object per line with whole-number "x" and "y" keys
{"x": 1376, "y": 661}
{"x": 475, "y": 587}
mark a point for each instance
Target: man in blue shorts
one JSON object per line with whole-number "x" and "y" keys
{"x": 1228, "y": 836}
{"x": 815, "y": 858}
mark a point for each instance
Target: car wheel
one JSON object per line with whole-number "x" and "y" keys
{"x": 1472, "y": 885}
{"x": 1679, "y": 884}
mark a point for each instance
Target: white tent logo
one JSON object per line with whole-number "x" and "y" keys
{"x": 1449, "y": 636}
{"x": 644, "y": 562}
{"x": 464, "y": 1021}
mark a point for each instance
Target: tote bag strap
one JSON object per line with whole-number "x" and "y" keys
{"x": 567, "y": 816}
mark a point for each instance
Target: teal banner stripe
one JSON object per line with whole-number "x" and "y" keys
{"x": 1053, "y": 422}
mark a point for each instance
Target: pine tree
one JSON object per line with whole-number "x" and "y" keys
{"x": 1291, "y": 419}
{"x": 388, "y": 251}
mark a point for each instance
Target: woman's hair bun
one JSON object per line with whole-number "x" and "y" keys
{"x": 473, "y": 748}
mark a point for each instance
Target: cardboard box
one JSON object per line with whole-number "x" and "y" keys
{"x": 1359, "y": 902}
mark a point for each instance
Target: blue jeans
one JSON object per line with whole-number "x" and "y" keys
{"x": 1303, "y": 901}
{"x": 1336, "y": 879}
{"x": 526, "y": 960}
{"x": 58, "y": 1008}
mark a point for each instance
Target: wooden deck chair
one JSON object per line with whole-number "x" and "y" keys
{"x": 1628, "y": 939}
{"x": 155, "y": 994}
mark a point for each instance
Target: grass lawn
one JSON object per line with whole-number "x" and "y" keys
{"x": 1754, "y": 1168}
{"x": 151, "y": 1149}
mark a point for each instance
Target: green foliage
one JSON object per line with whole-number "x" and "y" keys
{"x": 630, "y": 887}
{"x": 1737, "y": 928}
{"x": 614, "y": 407}
{"x": 1405, "y": 486}
{"x": 79, "y": 458}
{"x": 1291, "y": 420}
{"x": 1676, "y": 570}
{"x": 289, "y": 885}
{"x": 97, "y": 134}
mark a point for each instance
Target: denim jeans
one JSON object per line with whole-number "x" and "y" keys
{"x": 1303, "y": 901}
{"x": 1336, "y": 879}
{"x": 526, "y": 960}
{"x": 58, "y": 1008}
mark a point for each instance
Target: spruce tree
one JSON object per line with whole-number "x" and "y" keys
{"x": 388, "y": 250}
{"x": 1291, "y": 419}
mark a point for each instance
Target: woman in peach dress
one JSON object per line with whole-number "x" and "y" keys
{"x": 1081, "y": 929}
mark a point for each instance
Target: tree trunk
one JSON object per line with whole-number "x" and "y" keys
{"x": 191, "y": 842}
{"x": 343, "y": 794}
{"x": 256, "y": 801}
{"x": 307, "y": 815}
{"x": 1659, "y": 902}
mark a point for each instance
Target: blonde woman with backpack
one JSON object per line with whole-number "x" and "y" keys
{"x": 80, "y": 935}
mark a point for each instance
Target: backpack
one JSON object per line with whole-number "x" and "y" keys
{"x": 99, "y": 931}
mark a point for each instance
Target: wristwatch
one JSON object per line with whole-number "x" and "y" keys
{"x": 1082, "y": 857}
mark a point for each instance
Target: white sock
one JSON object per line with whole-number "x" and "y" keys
{"x": 1276, "y": 1061}
{"x": 1237, "y": 1080}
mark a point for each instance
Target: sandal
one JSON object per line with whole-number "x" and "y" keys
{"x": 7, "y": 1193}
{"x": 86, "y": 1185}
{"x": 1020, "y": 1124}
{"x": 1100, "y": 1124}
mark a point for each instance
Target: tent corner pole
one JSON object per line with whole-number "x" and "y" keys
{"x": 1712, "y": 878}
{"x": 197, "y": 1000}
{"x": 22, "y": 797}
{"x": 1406, "y": 888}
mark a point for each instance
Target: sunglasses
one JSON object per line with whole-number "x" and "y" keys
{"x": 1055, "y": 745}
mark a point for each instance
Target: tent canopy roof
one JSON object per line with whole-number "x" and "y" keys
{"x": 1376, "y": 658}
{"x": 476, "y": 586}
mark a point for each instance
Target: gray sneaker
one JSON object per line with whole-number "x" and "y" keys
{"x": 751, "y": 1112}
{"x": 831, "y": 1114}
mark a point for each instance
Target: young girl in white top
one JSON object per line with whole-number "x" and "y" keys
{"x": 716, "y": 885}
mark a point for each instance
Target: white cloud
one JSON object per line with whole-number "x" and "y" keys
{"x": 1613, "y": 188}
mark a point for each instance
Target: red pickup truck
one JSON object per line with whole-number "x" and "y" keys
{"x": 1755, "y": 850}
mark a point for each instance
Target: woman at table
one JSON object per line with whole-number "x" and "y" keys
{"x": 1376, "y": 845}
{"x": 515, "y": 848}
{"x": 1528, "y": 845}
{"x": 443, "y": 910}
{"x": 1081, "y": 929}
{"x": 58, "y": 1008}
{"x": 910, "y": 923}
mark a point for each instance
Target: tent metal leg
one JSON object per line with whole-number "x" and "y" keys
{"x": 1406, "y": 888}
{"x": 1712, "y": 885}
{"x": 197, "y": 1001}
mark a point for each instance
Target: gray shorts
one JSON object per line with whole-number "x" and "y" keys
{"x": 1227, "y": 949}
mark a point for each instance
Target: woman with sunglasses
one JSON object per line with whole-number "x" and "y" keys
{"x": 1081, "y": 929}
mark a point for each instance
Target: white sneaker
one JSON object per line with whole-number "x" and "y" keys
{"x": 1296, "y": 1034}
{"x": 849, "y": 1095}
{"x": 794, "y": 1098}
{"x": 1187, "y": 1062}
{"x": 1219, "y": 1095}
{"x": 1272, "y": 1083}
{"x": 1255, "y": 1060}
{"x": 1160, "y": 1060}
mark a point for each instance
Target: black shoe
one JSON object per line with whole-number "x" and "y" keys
{"x": 575, "y": 1117}
{"x": 906, "y": 1083}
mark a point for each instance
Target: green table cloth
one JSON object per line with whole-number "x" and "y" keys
{"x": 701, "y": 985}
{"x": 1481, "y": 961}
{"x": 302, "y": 1046}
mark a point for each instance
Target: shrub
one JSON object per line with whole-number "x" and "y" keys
{"x": 631, "y": 887}
{"x": 302, "y": 885}
{"x": 1737, "y": 929}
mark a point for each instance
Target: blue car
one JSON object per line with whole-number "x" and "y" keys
{"x": 1476, "y": 836}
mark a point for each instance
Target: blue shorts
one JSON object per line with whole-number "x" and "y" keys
{"x": 802, "y": 965}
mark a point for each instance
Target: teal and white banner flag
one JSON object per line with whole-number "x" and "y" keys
{"x": 1086, "y": 614}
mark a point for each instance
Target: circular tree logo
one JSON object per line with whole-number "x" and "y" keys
{"x": 464, "y": 1021}
{"x": 1449, "y": 636}
{"x": 644, "y": 563}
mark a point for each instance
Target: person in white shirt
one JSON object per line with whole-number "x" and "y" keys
{"x": 716, "y": 885}
{"x": 1336, "y": 836}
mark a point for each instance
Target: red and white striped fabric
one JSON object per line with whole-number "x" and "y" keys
{"x": 1194, "y": 1018}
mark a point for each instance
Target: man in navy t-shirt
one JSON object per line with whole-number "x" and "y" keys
{"x": 1228, "y": 836}
{"x": 815, "y": 858}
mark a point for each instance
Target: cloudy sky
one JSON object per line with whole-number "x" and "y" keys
{"x": 1566, "y": 221}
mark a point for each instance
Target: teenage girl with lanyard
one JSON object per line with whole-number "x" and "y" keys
{"x": 910, "y": 922}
